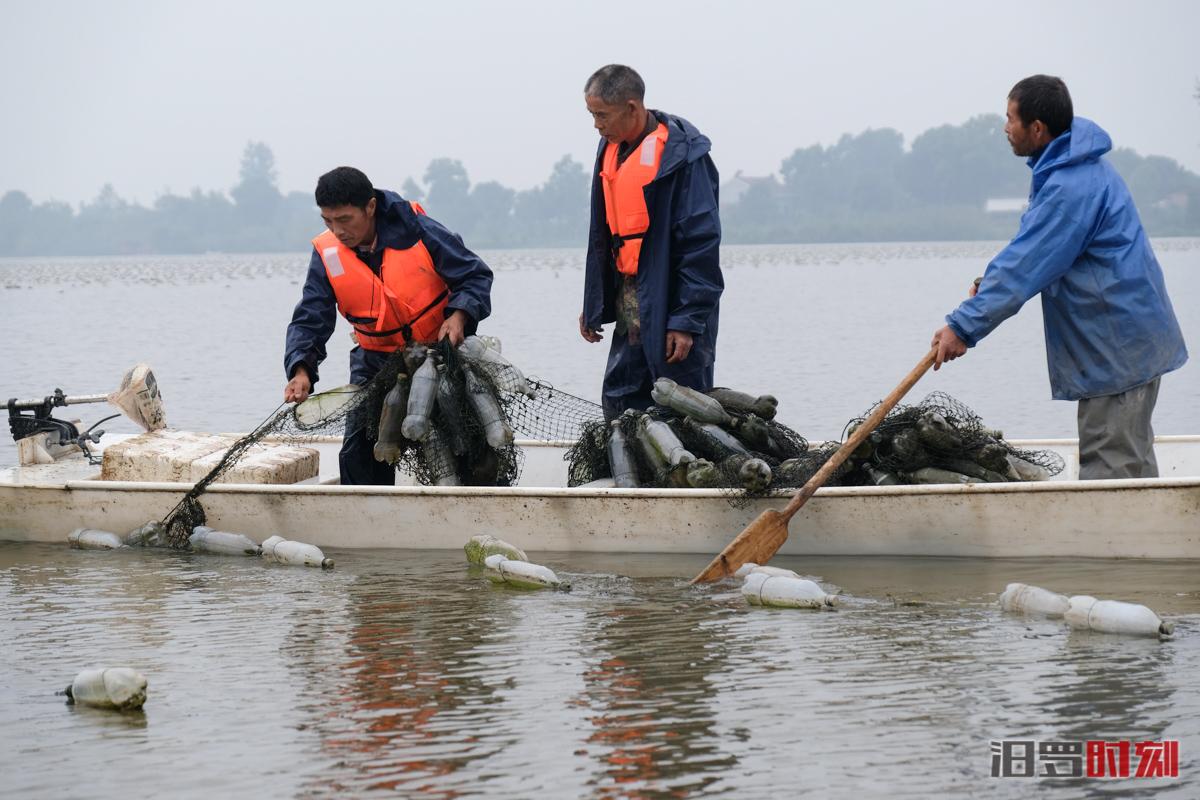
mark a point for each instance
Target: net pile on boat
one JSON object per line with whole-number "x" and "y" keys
{"x": 716, "y": 440}
{"x": 723, "y": 439}
{"x": 940, "y": 440}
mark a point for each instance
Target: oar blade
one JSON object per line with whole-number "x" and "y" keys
{"x": 758, "y": 543}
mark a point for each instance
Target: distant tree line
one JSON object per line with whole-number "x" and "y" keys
{"x": 866, "y": 187}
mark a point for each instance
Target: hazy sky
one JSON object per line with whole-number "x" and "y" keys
{"x": 163, "y": 96}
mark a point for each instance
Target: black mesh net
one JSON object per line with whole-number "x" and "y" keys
{"x": 938, "y": 440}
{"x": 471, "y": 405}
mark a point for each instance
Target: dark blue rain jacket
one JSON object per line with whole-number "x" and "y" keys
{"x": 468, "y": 278}
{"x": 679, "y": 280}
{"x": 1109, "y": 323}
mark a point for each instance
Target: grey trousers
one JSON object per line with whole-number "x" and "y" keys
{"x": 1115, "y": 436}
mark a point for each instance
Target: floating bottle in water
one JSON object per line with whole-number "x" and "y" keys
{"x": 221, "y": 543}
{"x": 92, "y": 539}
{"x": 1025, "y": 599}
{"x": 119, "y": 688}
{"x": 151, "y": 534}
{"x": 762, "y": 569}
{"x": 482, "y": 545}
{"x": 1114, "y": 616}
{"x": 522, "y": 574}
{"x": 783, "y": 591}
{"x": 294, "y": 554}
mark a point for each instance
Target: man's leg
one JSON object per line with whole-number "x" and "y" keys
{"x": 627, "y": 379}
{"x": 357, "y": 458}
{"x": 1116, "y": 439}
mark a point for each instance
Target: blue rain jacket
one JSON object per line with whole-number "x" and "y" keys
{"x": 679, "y": 280}
{"x": 1108, "y": 321}
{"x": 468, "y": 278}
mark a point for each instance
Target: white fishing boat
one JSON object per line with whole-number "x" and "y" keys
{"x": 1063, "y": 517}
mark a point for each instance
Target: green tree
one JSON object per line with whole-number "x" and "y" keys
{"x": 256, "y": 195}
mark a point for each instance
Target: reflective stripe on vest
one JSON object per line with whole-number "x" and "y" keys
{"x": 405, "y": 302}
{"x": 625, "y": 198}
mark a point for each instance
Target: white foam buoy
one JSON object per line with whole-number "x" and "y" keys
{"x": 482, "y": 545}
{"x": 151, "y": 534}
{"x": 92, "y": 539}
{"x": 222, "y": 543}
{"x": 119, "y": 688}
{"x": 750, "y": 567}
{"x": 1114, "y": 616}
{"x": 1022, "y": 598}
{"x": 522, "y": 574}
{"x": 294, "y": 554}
{"x": 783, "y": 591}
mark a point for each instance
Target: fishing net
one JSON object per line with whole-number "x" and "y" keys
{"x": 937, "y": 440}
{"x": 942, "y": 433}
{"x": 482, "y": 402}
{"x": 745, "y": 455}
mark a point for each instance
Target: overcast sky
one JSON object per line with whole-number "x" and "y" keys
{"x": 163, "y": 96}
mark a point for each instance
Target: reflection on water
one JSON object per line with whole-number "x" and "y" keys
{"x": 408, "y": 673}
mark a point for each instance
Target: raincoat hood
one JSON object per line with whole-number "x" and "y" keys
{"x": 1083, "y": 141}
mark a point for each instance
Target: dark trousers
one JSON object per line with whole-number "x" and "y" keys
{"x": 1116, "y": 439}
{"x": 629, "y": 377}
{"x": 357, "y": 457}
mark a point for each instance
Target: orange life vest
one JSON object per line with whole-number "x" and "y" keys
{"x": 625, "y": 198}
{"x": 405, "y": 302}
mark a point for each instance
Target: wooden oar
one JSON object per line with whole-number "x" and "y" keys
{"x": 763, "y": 537}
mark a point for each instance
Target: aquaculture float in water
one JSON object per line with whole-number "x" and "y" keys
{"x": 522, "y": 574}
{"x": 1113, "y": 616}
{"x": 482, "y": 545}
{"x": 92, "y": 539}
{"x": 117, "y": 688}
{"x": 294, "y": 554}
{"x": 784, "y": 591}
{"x": 1024, "y": 599}
{"x": 221, "y": 543}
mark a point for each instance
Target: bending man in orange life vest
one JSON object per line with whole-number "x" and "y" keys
{"x": 653, "y": 261}
{"x": 396, "y": 275}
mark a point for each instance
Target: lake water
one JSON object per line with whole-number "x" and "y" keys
{"x": 405, "y": 673}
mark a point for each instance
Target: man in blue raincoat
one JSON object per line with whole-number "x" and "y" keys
{"x": 396, "y": 275}
{"x": 1111, "y": 332}
{"x": 653, "y": 262}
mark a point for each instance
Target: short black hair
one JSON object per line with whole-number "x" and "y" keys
{"x": 344, "y": 186}
{"x": 615, "y": 83}
{"x": 1044, "y": 97}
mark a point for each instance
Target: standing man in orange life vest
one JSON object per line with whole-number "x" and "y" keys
{"x": 396, "y": 275}
{"x": 653, "y": 261}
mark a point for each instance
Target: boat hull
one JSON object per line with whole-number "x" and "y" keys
{"x": 1106, "y": 519}
{"x": 1153, "y": 518}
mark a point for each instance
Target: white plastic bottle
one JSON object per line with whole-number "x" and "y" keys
{"x": 91, "y": 539}
{"x": 522, "y": 574}
{"x": 1024, "y": 599}
{"x": 782, "y": 591}
{"x": 222, "y": 543}
{"x": 121, "y": 688}
{"x": 1113, "y": 616}
{"x": 482, "y": 545}
{"x": 294, "y": 554}
{"x": 750, "y": 566}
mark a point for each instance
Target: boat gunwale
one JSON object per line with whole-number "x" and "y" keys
{"x": 1011, "y": 487}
